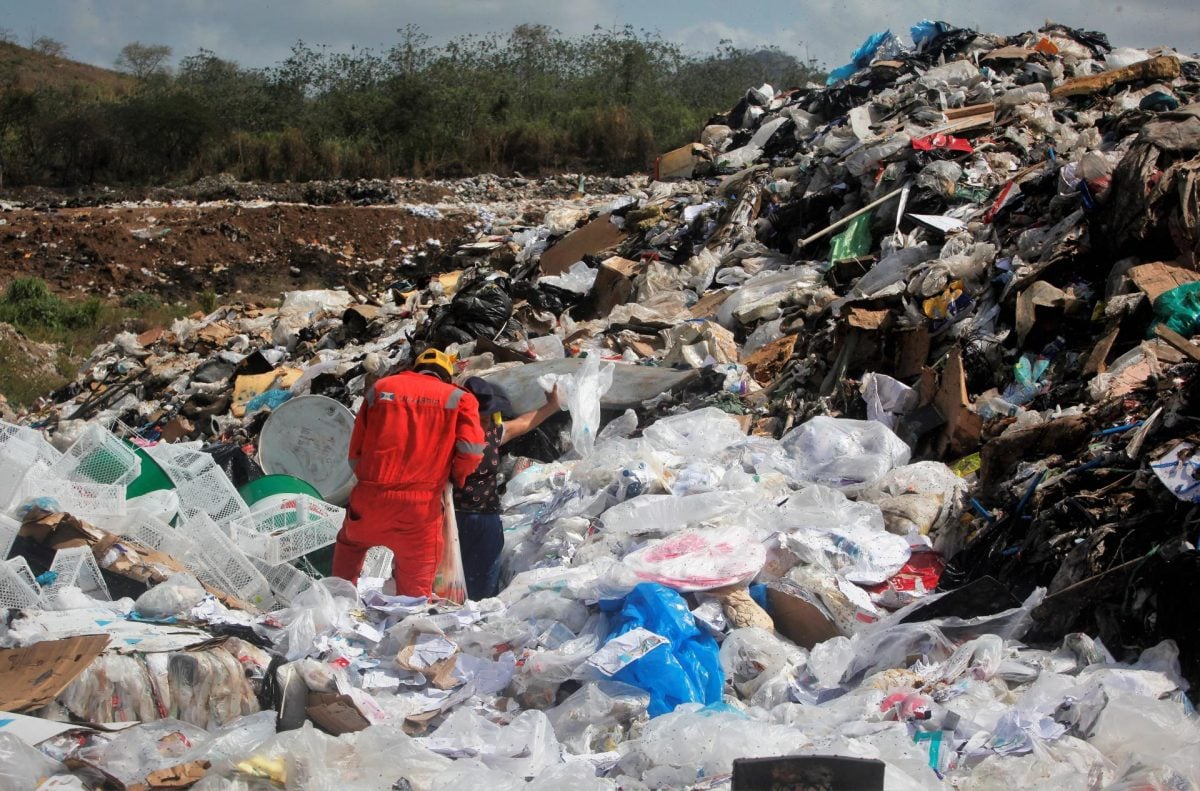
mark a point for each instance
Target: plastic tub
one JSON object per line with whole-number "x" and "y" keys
{"x": 308, "y": 438}
{"x": 272, "y": 485}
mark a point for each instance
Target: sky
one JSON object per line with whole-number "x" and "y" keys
{"x": 261, "y": 32}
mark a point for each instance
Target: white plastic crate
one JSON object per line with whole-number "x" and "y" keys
{"x": 149, "y": 531}
{"x": 81, "y": 500}
{"x": 378, "y": 563}
{"x": 286, "y": 581}
{"x": 23, "y": 452}
{"x": 202, "y": 486}
{"x": 216, "y": 560}
{"x": 98, "y": 456}
{"x": 18, "y": 587}
{"x": 76, "y": 567}
{"x": 9, "y": 528}
{"x": 279, "y": 530}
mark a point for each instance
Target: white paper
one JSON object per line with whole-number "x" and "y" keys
{"x": 625, "y": 649}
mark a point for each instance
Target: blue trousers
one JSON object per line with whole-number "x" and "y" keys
{"x": 482, "y": 538}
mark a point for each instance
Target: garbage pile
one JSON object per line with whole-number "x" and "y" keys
{"x": 877, "y": 472}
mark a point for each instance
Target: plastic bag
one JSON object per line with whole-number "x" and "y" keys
{"x": 849, "y": 455}
{"x": 854, "y": 242}
{"x": 597, "y": 717}
{"x": 703, "y": 559}
{"x": 450, "y": 582}
{"x": 760, "y": 665}
{"x": 22, "y": 767}
{"x": 581, "y": 394}
{"x": 174, "y": 597}
{"x": 686, "y": 669}
{"x": 526, "y": 747}
{"x": 1179, "y": 309}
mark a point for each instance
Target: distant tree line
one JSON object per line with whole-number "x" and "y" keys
{"x": 532, "y": 100}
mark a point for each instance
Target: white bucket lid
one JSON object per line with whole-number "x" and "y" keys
{"x": 308, "y": 438}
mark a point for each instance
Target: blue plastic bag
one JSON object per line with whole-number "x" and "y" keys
{"x": 862, "y": 56}
{"x": 685, "y": 670}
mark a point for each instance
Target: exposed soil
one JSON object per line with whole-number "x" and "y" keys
{"x": 235, "y": 251}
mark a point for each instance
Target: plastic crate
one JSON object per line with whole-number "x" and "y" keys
{"x": 18, "y": 587}
{"x": 280, "y": 529}
{"x": 9, "y": 528}
{"x": 98, "y": 456}
{"x": 286, "y": 581}
{"x": 76, "y": 567}
{"x": 149, "y": 531}
{"x": 82, "y": 500}
{"x": 47, "y": 454}
{"x": 202, "y": 486}
{"x": 378, "y": 563}
{"x": 23, "y": 452}
{"x": 217, "y": 561}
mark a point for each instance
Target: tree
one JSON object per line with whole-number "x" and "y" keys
{"x": 7, "y": 36}
{"x": 49, "y": 46}
{"x": 143, "y": 60}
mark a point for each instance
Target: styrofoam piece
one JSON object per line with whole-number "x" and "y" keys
{"x": 149, "y": 531}
{"x": 202, "y": 486}
{"x": 280, "y": 529}
{"x": 82, "y": 500}
{"x": 18, "y": 587}
{"x": 98, "y": 456}
{"x": 308, "y": 438}
{"x": 286, "y": 581}
{"x": 217, "y": 561}
{"x": 76, "y": 567}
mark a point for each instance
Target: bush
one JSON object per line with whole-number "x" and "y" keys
{"x": 140, "y": 301}
{"x": 28, "y": 304}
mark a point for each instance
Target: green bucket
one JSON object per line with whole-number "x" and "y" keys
{"x": 152, "y": 478}
{"x": 274, "y": 485}
{"x": 283, "y": 486}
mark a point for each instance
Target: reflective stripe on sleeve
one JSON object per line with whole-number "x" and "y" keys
{"x": 469, "y": 448}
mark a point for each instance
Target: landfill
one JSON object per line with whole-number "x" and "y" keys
{"x": 876, "y": 469}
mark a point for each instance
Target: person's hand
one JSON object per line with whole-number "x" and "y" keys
{"x": 554, "y": 399}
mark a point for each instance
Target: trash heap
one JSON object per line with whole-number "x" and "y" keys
{"x": 877, "y": 472}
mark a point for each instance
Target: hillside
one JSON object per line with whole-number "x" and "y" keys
{"x": 33, "y": 70}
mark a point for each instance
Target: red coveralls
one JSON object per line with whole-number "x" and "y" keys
{"x": 412, "y": 434}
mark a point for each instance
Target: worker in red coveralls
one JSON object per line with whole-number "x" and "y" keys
{"x": 414, "y": 432}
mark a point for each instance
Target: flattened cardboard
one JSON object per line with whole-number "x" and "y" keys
{"x": 335, "y": 714}
{"x": 595, "y": 237}
{"x": 799, "y": 616}
{"x": 33, "y": 676}
{"x": 1163, "y": 67}
{"x": 1154, "y": 280}
{"x": 614, "y": 284}
{"x": 680, "y": 163}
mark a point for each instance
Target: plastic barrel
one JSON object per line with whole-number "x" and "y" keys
{"x": 152, "y": 478}
{"x": 274, "y": 486}
{"x": 308, "y": 437}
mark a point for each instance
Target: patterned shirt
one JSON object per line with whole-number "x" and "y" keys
{"x": 481, "y": 493}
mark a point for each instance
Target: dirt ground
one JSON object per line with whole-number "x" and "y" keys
{"x": 236, "y": 251}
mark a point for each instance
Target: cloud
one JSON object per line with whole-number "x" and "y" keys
{"x": 261, "y": 32}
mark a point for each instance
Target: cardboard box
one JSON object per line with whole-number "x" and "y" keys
{"x": 614, "y": 284}
{"x": 681, "y": 163}
{"x": 597, "y": 236}
{"x": 33, "y": 676}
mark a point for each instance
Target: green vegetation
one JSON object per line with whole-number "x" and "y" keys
{"x": 530, "y": 101}
{"x": 74, "y": 327}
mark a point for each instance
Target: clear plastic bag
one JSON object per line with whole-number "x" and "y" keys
{"x": 450, "y": 582}
{"x": 581, "y": 394}
{"x": 700, "y": 559}
{"x": 848, "y": 455}
{"x": 22, "y": 767}
{"x": 173, "y": 597}
{"x": 598, "y": 716}
{"x": 760, "y": 665}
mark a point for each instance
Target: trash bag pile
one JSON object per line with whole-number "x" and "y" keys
{"x": 875, "y": 470}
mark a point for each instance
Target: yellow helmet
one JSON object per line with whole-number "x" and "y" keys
{"x": 437, "y": 359}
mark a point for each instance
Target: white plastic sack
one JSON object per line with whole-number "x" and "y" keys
{"x": 702, "y": 559}
{"x": 845, "y": 454}
{"x": 581, "y": 394}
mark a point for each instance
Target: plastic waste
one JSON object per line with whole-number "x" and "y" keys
{"x": 1179, "y": 309}
{"x": 450, "y": 582}
{"x": 684, "y": 669}
{"x": 845, "y": 454}
{"x": 598, "y": 716}
{"x": 23, "y": 767}
{"x": 171, "y": 598}
{"x": 581, "y": 395}
{"x": 693, "y": 560}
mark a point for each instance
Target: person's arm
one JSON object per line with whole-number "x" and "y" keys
{"x": 523, "y": 424}
{"x": 468, "y": 440}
